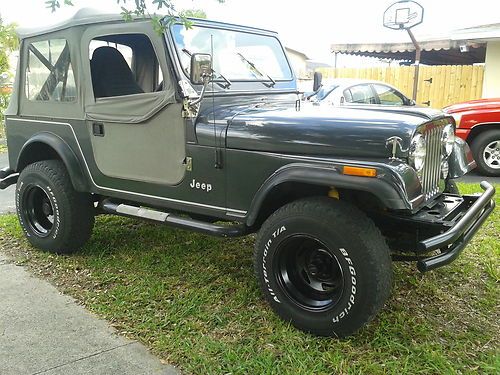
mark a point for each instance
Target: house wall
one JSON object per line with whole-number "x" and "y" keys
{"x": 491, "y": 85}
{"x": 298, "y": 63}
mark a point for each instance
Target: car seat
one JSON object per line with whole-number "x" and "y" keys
{"x": 111, "y": 75}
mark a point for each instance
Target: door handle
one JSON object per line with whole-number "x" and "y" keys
{"x": 98, "y": 129}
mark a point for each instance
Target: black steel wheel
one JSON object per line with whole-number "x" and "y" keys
{"x": 38, "y": 210}
{"x": 309, "y": 273}
{"x": 323, "y": 266}
{"x": 53, "y": 215}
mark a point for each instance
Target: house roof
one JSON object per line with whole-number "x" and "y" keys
{"x": 302, "y": 54}
{"x": 484, "y": 33}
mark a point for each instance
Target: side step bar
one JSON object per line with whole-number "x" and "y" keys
{"x": 126, "y": 210}
{"x": 7, "y": 177}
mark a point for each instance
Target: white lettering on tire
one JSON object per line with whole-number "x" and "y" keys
{"x": 57, "y": 217}
{"x": 18, "y": 205}
{"x": 352, "y": 296}
{"x": 268, "y": 244}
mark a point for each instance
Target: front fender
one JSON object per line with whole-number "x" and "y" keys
{"x": 392, "y": 195}
{"x": 30, "y": 152}
{"x": 461, "y": 160}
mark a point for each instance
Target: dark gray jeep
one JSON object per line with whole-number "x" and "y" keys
{"x": 202, "y": 129}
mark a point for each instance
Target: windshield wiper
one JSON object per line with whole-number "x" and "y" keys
{"x": 255, "y": 70}
{"x": 227, "y": 82}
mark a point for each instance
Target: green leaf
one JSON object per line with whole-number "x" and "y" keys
{"x": 52, "y": 5}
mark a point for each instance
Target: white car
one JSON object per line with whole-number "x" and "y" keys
{"x": 348, "y": 91}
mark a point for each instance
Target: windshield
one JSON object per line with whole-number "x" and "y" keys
{"x": 238, "y": 56}
{"x": 323, "y": 92}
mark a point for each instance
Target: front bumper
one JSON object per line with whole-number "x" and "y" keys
{"x": 453, "y": 241}
{"x": 447, "y": 224}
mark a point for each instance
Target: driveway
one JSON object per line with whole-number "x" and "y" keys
{"x": 7, "y": 203}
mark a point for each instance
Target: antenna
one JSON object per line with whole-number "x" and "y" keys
{"x": 216, "y": 148}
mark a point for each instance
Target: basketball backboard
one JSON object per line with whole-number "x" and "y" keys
{"x": 403, "y": 14}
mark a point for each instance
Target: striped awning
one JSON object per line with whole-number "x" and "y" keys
{"x": 434, "y": 52}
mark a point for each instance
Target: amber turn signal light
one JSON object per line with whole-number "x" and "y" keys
{"x": 359, "y": 171}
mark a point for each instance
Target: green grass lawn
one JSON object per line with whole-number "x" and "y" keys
{"x": 194, "y": 301}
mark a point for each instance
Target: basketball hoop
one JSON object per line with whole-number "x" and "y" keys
{"x": 403, "y": 14}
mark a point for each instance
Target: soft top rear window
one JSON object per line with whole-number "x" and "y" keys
{"x": 49, "y": 74}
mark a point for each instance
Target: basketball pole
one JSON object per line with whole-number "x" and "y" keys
{"x": 418, "y": 52}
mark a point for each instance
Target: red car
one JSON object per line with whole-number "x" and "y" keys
{"x": 478, "y": 123}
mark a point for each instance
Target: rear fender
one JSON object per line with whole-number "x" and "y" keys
{"x": 45, "y": 145}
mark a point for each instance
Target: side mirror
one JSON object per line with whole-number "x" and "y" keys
{"x": 412, "y": 102}
{"x": 201, "y": 68}
{"x": 317, "y": 81}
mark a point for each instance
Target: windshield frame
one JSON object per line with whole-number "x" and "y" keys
{"x": 231, "y": 28}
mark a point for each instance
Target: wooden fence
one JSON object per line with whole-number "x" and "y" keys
{"x": 438, "y": 86}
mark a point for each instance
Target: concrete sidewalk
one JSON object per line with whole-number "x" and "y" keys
{"x": 45, "y": 332}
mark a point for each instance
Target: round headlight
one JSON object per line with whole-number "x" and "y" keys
{"x": 448, "y": 139}
{"x": 417, "y": 152}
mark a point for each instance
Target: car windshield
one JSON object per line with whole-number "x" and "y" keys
{"x": 238, "y": 56}
{"x": 324, "y": 91}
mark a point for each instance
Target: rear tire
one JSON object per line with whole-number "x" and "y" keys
{"x": 53, "y": 215}
{"x": 323, "y": 266}
{"x": 486, "y": 151}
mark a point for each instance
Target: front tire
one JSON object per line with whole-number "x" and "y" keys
{"x": 323, "y": 266}
{"x": 54, "y": 216}
{"x": 486, "y": 151}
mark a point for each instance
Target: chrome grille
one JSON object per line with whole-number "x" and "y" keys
{"x": 431, "y": 172}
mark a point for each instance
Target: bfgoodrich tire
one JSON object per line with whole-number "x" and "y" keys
{"x": 53, "y": 215}
{"x": 323, "y": 266}
{"x": 486, "y": 151}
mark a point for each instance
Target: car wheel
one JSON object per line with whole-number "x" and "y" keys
{"x": 486, "y": 150}
{"x": 323, "y": 266}
{"x": 53, "y": 215}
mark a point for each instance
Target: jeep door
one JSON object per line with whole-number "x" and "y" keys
{"x": 134, "y": 122}
{"x": 137, "y": 134}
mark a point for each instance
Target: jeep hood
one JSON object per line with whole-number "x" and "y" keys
{"x": 322, "y": 130}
